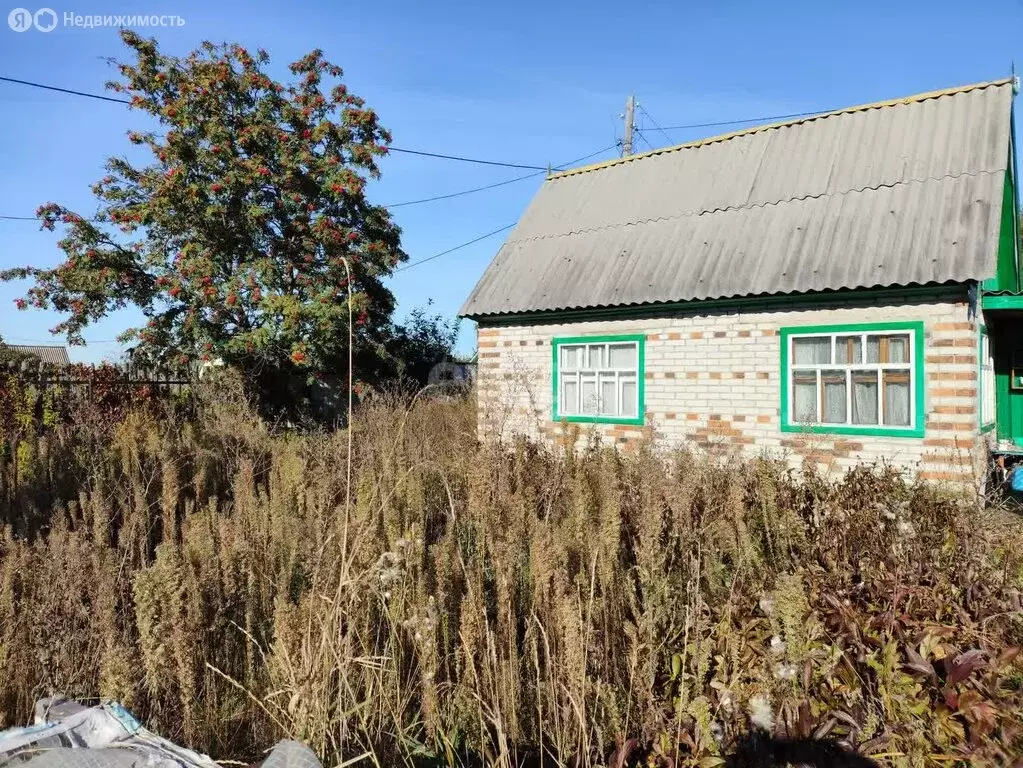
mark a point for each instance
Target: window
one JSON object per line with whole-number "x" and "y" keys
{"x": 986, "y": 380}
{"x": 853, "y": 379}
{"x": 599, "y": 379}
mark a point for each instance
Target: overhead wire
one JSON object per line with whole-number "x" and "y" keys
{"x": 423, "y": 153}
{"x": 762, "y": 118}
{"x": 452, "y": 250}
{"x": 560, "y": 167}
{"x": 448, "y": 196}
{"x": 22, "y": 339}
{"x": 654, "y": 122}
{"x": 639, "y": 132}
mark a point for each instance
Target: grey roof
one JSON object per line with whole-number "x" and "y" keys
{"x": 898, "y": 193}
{"x": 47, "y": 353}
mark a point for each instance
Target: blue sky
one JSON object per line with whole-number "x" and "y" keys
{"x": 523, "y": 82}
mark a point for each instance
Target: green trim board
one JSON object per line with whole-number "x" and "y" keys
{"x": 981, "y": 335}
{"x": 640, "y": 340}
{"x": 919, "y": 382}
{"x": 896, "y": 295}
{"x": 1001, "y": 301}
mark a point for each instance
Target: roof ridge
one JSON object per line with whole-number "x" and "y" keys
{"x": 912, "y": 99}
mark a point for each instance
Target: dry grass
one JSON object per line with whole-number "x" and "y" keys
{"x": 509, "y": 603}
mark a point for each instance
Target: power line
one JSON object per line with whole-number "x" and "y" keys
{"x": 466, "y": 159}
{"x": 464, "y": 191}
{"x": 399, "y": 269}
{"x": 34, "y": 218}
{"x": 500, "y": 183}
{"x": 49, "y": 341}
{"x": 391, "y": 149}
{"x": 65, "y": 90}
{"x": 562, "y": 166}
{"x": 393, "y": 205}
{"x": 452, "y": 250}
{"x": 643, "y": 110}
{"x": 762, "y": 118}
{"x": 639, "y": 132}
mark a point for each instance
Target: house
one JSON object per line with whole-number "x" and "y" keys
{"x": 52, "y": 354}
{"x": 839, "y": 288}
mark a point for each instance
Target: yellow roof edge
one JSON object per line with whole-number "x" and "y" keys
{"x": 771, "y": 126}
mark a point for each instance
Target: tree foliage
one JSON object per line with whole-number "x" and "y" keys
{"x": 243, "y": 231}
{"x": 416, "y": 346}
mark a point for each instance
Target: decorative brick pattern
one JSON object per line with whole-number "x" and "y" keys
{"x": 713, "y": 380}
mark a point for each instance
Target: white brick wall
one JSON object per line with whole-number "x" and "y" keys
{"x": 712, "y": 379}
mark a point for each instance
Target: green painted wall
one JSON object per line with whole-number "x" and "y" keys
{"x": 1007, "y": 338}
{"x": 1006, "y": 276}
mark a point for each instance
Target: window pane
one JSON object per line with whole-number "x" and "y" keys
{"x": 629, "y": 396}
{"x": 569, "y": 402}
{"x": 596, "y": 356}
{"x": 896, "y": 398}
{"x": 898, "y": 349}
{"x": 608, "y": 395}
{"x": 622, "y": 356}
{"x": 848, "y": 349}
{"x": 804, "y": 397}
{"x": 571, "y": 356}
{"x": 815, "y": 349}
{"x": 864, "y": 395}
{"x": 833, "y": 397}
{"x": 873, "y": 349}
{"x": 588, "y": 393}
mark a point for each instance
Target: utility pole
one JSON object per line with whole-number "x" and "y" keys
{"x": 630, "y": 114}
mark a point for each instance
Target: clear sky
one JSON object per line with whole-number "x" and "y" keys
{"x": 522, "y": 82}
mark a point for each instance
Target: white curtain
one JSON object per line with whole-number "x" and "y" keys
{"x": 864, "y": 397}
{"x": 896, "y": 402}
{"x": 804, "y": 397}
{"x": 569, "y": 395}
{"x": 571, "y": 357}
{"x": 588, "y": 394}
{"x": 815, "y": 349}
{"x": 873, "y": 349}
{"x": 848, "y": 350}
{"x": 608, "y": 395}
{"x": 898, "y": 349}
{"x": 628, "y": 395}
{"x": 833, "y": 406}
{"x": 622, "y": 356}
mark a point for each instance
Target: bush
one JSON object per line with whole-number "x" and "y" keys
{"x": 509, "y": 602}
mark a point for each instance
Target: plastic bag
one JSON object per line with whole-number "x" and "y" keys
{"x": 67, "y": 734}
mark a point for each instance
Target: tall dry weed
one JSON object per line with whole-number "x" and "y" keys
{"x": 507, "y": 603}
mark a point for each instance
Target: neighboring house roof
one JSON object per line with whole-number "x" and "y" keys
{"x": 48, "y": 353}
{"x": 904, "y": 192}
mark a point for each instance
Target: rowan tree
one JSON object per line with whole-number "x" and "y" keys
{"x": 233, "y": 236}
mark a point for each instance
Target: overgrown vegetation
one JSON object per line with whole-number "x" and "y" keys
{"x": 509, "y": 603}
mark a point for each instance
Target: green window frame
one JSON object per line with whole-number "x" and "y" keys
{"x": 575, "y": 365}
{"x": 986, "y": 391}
{"x": 843, "y": 372}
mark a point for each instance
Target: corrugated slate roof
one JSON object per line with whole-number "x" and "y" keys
{"x": 47, "y": 353}
{"x": 905, "y": 192}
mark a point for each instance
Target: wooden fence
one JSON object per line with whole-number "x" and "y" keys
{"x": 83, "y": 376}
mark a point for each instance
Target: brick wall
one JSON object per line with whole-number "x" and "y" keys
{"x": 712, "y": 380}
